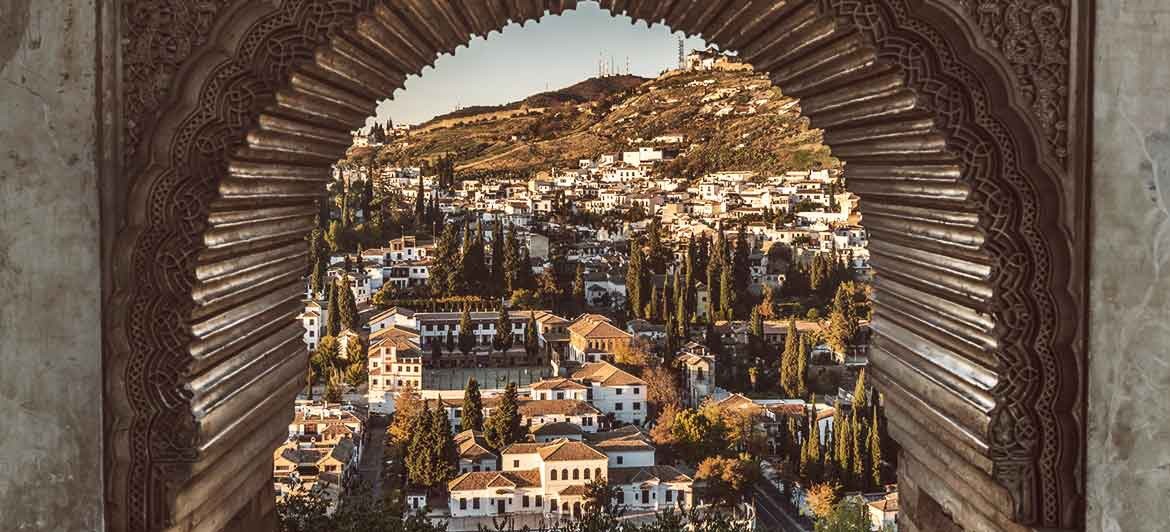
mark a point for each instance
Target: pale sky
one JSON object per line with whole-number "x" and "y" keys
{"x": 554, "y": 53}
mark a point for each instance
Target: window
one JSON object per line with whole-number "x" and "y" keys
{"x": 617, "y": 391}
{"x": 637, "y": 405}
{"x": 475, "y": 503}
{"x": 515, "y": 464}
{"x": 560, "y": 395}
{"x": 617, "y": 406}
{"x": 620, "y": 459}
{"x": 587, "y": 421}
{"x": 553, "y": 474}
{"x": 576, "y": 474}
{"x": 462, "y": 503}
{"x": 586, "y": 473}
{"x": 565, "y": 474}
{"x": 597, "y": 473}
{"x": 637, "y": 390}
{"x": 524, "y": 501}
{"x": 669, "y": 495}
{"x": 540, "y": 501}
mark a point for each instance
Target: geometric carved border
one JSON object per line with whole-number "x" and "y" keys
{"x": 954, "y": 119}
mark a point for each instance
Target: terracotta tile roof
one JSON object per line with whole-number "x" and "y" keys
{"x": 624, "y": 445}
{"x": 474, "y": 449}
{"x": 574, "y": 490}
{"x": 623, "y": 432}
{"x": 564, "y": 407}
{"x": 607, "y": 375}
{"x": 560, "y": 428}
{"x": 566, "y": 450}
{"x": 495, "y": 479}
{"x": 523, "y": 448}
{"x": 637, "y": 475}
{"x": 594, "y": 326}
{"x": 558, "y": 384}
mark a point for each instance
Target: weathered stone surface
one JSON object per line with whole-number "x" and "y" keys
{"x": 50, "y": 328}
{"x": 1129, "y": 370}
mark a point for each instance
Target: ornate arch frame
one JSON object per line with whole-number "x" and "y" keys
{"x": 963, "y": 123}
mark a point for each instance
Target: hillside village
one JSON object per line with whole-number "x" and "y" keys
{"x": 680, "y": 247}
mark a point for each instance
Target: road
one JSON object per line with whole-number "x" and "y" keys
{"x": 370, "y": 466}
{"x": 769, "y": 514}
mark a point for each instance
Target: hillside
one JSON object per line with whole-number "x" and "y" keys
{"x": 733, "y": 120}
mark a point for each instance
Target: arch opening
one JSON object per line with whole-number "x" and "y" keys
{"x": 973, "y": 334}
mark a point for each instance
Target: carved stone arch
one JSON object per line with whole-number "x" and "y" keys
{"x": 957, "y": 121}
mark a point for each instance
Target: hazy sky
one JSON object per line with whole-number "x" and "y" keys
{"x": 556, "y": 52}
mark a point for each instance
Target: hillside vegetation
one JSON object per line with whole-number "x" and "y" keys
{"x": 732, "y": 120}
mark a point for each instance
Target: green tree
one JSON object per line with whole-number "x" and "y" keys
{"x": 355, "y": 374}
{"x": 600, "y": 496}
{"x": 849, "y": 515}
{"x": 579, "y": 288}
{"x": 502, "y": 428}
{"x": 843, "y": 321}
{"x": 635, "y": 296}
{"x": 502, "y": 341}
{"x": 318, "y": 261}
{"x": 860, "y": 462}
{"x": 875, "y": 450}
{"x": 658, "y": 256}
{"x": 348, "y": 308}
{"x": 512, "y": 258}
{"x": 446, "y": 456}
{"x": 789, "y": 360}
{"x": 729, "y": 295}
{"x": 741, "y": 268}
{"x": 801, "y": 383}
{"x": 472, "y": 407}
{"x": 497, "y": 284}
{"x": 466, "y": 333}
{"x": 728, "y": 479}
{"x": 714, "y": 280}
{"x": 332, "y": 310}
{"x": 531, "y": 337}
{"x": 446, "y": 258}
{"x": 756, "y": 333}
{"x": 419, "y": 202}
{"x": 860, "y": 392}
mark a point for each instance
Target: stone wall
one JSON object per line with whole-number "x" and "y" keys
{"x": 50, "y": 319}
{"x": 1129, "y": 369}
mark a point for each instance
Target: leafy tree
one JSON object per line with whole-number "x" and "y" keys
{"x": 355, "y": 374}
{"x": 355, "y": 351}
{"x": 634, "y": 354}
{"x": 821, "y": 498}
{"x": 768, "y": 305}
{"x": 601, "y": 497}
{"x": 466, "y": 333}
{"x": 472, "y": 407}
{"x": 327, "y": 354}
{"x": 754, "y": 377}
{"x": 333, "y": 391}
{"x": 698, "y": 436}
{"x": 728, "y": 479}
{"x": 662, "y": 390}
{"x": 408, "y": 408}
{"x": 502, "y": 428}
{"x": 663, "y": 431}
{"x": 446, "y": 456}
{"x": 849, "y": 515}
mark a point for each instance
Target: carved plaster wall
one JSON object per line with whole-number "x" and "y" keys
{"x": 960, "y": 122}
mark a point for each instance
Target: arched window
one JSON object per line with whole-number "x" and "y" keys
{"x": 565, "y": 474}
{"x": 576, "y": 474}
{"x": 597, "y": 472}
{"x": 553, "y": 474}
{"x": 586, "y": 473}
{"x": 565, "y": 507}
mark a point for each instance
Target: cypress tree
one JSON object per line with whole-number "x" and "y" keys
{"x": 756, "y": 333}
{"x": 511, "y": 260}
{"x": 348, "y": 307}
{"x": 714, "y": 278}
{"x": 332, "y": 311}
{"x": 524, "y": 277}
{"x": 859, "y": 392}
{"x": 658, "y": 256}
{"x": 579, "y": 287}
{"x": 531, "y": 339}
{"x": 466, "y": 334}
{"x": 634, "y": 296}
{"x": 502, "y": 341}
{"x": 445, "y": 457}
{"x": 472, "y": 407}
{"x": 652, "y": 305}
{"x": 788, "y": 360}
{"x": 502, "y": 427}
{"x": 844, "y": 452}
{"x": 802, "y": 368}
{"x": 419, "y": 209}
{"x": 419, "y": 450}
{"x": 446, "y": 259}
{"x": 729, "y": 295}
{"x": 464, "y": 282}
{"x": 741, "y": 267}
{"x": 843, "y": 321}
{"x": 875, "y": 450}
{"x": 860, "y": 472}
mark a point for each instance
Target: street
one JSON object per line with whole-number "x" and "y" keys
{"x": 770, "y": 515}
{"x": 370, "y": 467}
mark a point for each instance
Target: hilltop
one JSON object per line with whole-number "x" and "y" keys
{"x": 731, "y": 120}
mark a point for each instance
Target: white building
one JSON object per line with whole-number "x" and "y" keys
{"x": 614, "y": 391}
